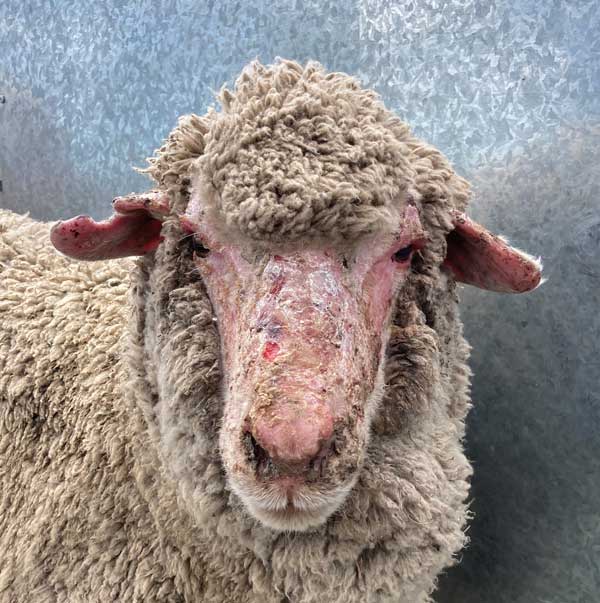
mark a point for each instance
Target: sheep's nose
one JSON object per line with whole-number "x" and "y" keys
{"x": 290, "y": 438}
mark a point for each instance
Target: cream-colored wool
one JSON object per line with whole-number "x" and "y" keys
{"x": 111, "y": 487}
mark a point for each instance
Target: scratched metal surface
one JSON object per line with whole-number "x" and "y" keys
{"x": 509, "y": 90}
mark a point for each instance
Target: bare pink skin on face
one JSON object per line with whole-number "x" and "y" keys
{"x": 302, "y": 337}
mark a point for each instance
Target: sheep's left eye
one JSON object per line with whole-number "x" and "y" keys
{"x": 403, "y": 255}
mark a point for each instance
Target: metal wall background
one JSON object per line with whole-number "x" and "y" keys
{"x": 510, "y": 91}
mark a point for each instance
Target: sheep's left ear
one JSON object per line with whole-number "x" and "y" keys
{"x": 477, "y": 257}
{"x": 133, "y": 229}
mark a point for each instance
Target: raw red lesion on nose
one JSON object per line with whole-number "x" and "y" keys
{"x": 291, "y": 435}
{"x": 270, "y": 350}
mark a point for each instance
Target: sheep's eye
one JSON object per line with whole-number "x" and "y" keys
{"x": 198, "y": 248}
{"x": 403, "y": 255}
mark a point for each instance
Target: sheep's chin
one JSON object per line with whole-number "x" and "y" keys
{"x": 307, "y": 508}
{"x": 291, "y": 519}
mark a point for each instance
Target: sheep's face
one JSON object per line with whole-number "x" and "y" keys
{"x": 303, "y": 333}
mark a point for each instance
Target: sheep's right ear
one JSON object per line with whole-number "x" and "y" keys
{"x": 477, "y": 257}
{"x": 134, "y": 229}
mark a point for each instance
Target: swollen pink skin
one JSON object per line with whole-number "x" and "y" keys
{"x": 282, "y": 343}
{"x": 302, "y": 342}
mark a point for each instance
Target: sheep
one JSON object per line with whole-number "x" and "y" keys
{"x": 268, "y": 402}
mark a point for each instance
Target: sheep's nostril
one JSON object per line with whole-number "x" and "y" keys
{"x": 266, "y": 464}
{"x": 257, "y": 455}
{"x": 319, "y": 463}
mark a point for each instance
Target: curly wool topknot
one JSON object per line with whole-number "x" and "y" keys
{"x": 299, "y": 152}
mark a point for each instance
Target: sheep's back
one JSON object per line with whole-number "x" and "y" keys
{"x": 72, "y": 524}
{"x": 61, "y": 324}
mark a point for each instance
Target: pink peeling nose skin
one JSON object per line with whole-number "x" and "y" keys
{"x": 293, "y": 436}
{"x": 298, "y": 342}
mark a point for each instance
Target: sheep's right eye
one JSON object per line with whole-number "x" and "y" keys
{"x": 403, "y": 255}
{"x": 198, "y": 248}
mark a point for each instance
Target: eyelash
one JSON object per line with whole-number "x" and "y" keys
{"x": 403, "y": 255}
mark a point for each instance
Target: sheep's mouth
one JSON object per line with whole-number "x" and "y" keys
{"x": 295, "y": 496}
{"x": 293, "y": 508}
{"x": 290, "y": 518}
{"x": 290, "y": 503}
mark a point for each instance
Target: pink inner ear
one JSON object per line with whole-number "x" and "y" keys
{"x": 133, "y": 230}
{"x": 477, "y": 257}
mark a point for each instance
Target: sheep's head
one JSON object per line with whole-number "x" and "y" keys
{"x": 303, "y": 330}
{"x": 305, "y": 216}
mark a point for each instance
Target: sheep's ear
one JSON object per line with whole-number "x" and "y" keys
{"x": 133, "y": 229}
{"x": 477, "y": 257}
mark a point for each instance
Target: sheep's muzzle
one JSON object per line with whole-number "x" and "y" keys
{"x": 302, "y": 341}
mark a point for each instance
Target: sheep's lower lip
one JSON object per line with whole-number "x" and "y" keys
{"x": 289, "y": 503}
{"x": 291, "y": 518}
{"x": 301, "y": 511}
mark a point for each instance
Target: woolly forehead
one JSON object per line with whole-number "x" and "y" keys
{"x": 385, "y": 225}
{"x": 317, "y": 165}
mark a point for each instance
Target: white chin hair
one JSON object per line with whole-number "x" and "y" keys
{"x": 290, "y": 520}
{"x": 307, "y": 510}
